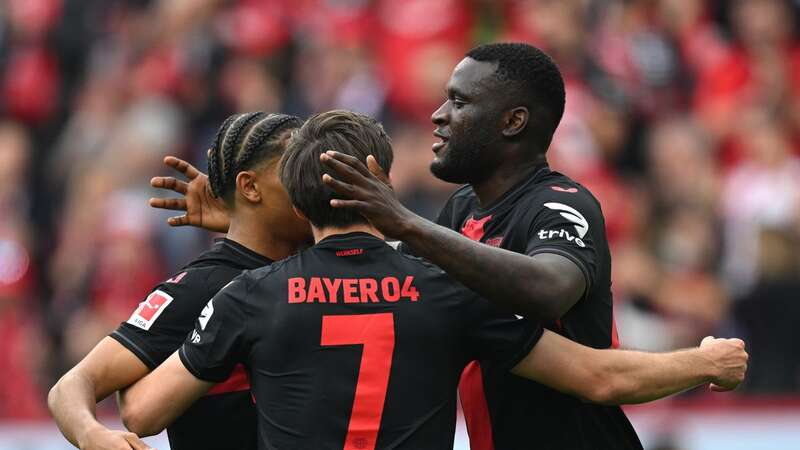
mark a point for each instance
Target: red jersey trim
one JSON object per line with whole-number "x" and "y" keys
{"x": 476, "y": 408}
{"x": 470, "y": 387}
{"x": 614, "y": 334}
{"x": 238, "y": 381}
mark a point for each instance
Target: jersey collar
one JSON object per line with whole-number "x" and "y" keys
{"x": 350, "y": 239}
{"x": 253, "y": 258}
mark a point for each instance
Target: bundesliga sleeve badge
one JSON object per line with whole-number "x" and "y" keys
{"x": 149, "y": 310}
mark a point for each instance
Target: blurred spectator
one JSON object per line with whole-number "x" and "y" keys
{"x": 22, "y": 347}
{"x": 682, "y": 166}
{"x": 761, "y": 68}
{"x": 763, "y": 190}
{"x": 769, "y": 312}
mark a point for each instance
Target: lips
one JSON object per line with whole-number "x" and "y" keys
{"x": 437, "y": 146}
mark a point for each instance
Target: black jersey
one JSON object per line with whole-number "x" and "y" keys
{"x": 224, "y": 419}
{"x": 546, "y": 213}
{"x": 353, "y": 345}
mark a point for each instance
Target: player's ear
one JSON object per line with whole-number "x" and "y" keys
{"x": 516, "y": 119}
{"x": 247, "y": 186}
{"x": 299, "y": 213}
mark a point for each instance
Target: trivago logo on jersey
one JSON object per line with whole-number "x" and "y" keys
{"x": 571, "y": 214}
{"x": 149, "y": 310}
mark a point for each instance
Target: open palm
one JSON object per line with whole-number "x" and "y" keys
{"x": 203, "y": 210}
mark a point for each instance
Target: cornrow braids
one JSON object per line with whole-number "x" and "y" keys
{"x": 242, "y": 141}
{"x": 214, "y": 169}
{"x": 260, "y": 133}
{"x": 230, "y": 149}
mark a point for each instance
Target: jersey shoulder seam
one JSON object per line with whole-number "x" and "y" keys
{"x": 210, "y": 290}
{"x": 264, "y": 272}
{"x": 422, "y": 261}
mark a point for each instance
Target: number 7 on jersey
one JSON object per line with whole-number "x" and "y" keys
{"x": 376, "y": 333}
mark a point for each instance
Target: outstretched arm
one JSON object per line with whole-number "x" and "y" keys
{"x": 203, "y": 210}
{"x": 623, "y": 377}
{"x": 543, "y": 286}
{"x": 107, "y": 368}
{"x": 158, "y": 399}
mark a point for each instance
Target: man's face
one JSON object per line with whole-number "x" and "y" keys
{"x": 468, "y": 123}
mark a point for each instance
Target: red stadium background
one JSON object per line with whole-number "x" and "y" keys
{"x": 683, "y": 117}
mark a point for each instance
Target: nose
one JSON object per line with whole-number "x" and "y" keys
{"x": 441, "y": 115}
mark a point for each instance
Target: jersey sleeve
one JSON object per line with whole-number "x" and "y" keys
{"x": 160, "y": 323}
{"x": 499, "y": 339}
{"x": 562, "y": 223}
{"x": 217, "y": 342}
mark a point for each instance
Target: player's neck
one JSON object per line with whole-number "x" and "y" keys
{"x": 503, "y": 179}
{"x": 322, "y": 233}
{"x": 258, "y": 238}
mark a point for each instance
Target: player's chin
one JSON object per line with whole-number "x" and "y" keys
{"x": 441, "y": 169}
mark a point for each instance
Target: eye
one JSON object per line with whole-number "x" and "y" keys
{"x": 458, "y": 104}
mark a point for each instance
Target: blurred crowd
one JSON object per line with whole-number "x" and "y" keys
{"x": 682, "y": 116}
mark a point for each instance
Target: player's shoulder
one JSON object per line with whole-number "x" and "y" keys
{"x": 199, "y": 280}
{"x": 433, "y": 275}
{"x": 559, "y": 192}
{"x": 418, "y": 262}
{"x": 263, "y": 277}
{"x": 177, "y": 298}
{"x": 188, "y": 289}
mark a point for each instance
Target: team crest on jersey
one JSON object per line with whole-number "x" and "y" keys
{"x": 495, "y": 241}
{"x": 205, "y": 314}
{"x": 148, "y": 311}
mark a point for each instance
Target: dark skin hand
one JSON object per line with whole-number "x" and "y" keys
{"x": 533, "y": 286}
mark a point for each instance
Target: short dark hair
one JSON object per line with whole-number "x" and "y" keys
{"x": 534, "y": 74}
{"x": 301, "y": 170}
{"x": 242, "y": 142}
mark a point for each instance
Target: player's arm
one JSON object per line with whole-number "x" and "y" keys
{"x": 107, "y": 368}
{"x": 202, "y": 209}
{"x": 158, "y": 399}
{"x": 207, "y": 356}
{"x": 544, "y": 286}
{"x": 622, "y": 376}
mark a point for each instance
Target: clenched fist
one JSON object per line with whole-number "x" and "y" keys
{"x": 730, "y": 359}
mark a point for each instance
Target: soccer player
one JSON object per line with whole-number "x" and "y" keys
{"x": 243, "y": 176}
{"x": 352, "y": 344}
{"x": 517, "y": 233}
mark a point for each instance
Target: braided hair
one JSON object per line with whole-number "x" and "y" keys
{"x": 242, "y": 142}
